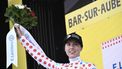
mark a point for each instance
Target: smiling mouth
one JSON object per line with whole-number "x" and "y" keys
{"x": 71, "y": 51}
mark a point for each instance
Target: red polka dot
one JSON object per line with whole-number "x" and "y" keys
{"x": 23, "y": 40}
{"x": 118, "y": 37}
{"x": 113, "y": 43}
{"x": 34, "y": 50}
{"x": 76, "y": 63}
{"x": 46, "y": 58}
{"x": 108, "y": 45}
{"x": 83, "y": 65}
{"x": 81, "y": 68}
{"x": 49, "y": 64}
{"x": 110, "y": 40}
{"x": 105, "y": 47}
{"x": 62, "y": 64}
{"x": 102, "y": 43}
{"x": 45, "y": 62}
{"x": 66, "y": 65}
{"x": 53, "y": 66}
{"x": 30, "y": 47}
{"x": 89, "y": 65}
{"x": 75, "y": 67}
{"x": 113, "y": 39}
{"x": 27, "y": 44}
{"x": 42, "y": 56}
{"x": 31, "y": 54}
{"x": 70, "y": 66}
{"x": 38, "y": 53}
{"x": 105, "y": 42}
{"x": 35, "y": 57}
{"x": 40, "y": 60}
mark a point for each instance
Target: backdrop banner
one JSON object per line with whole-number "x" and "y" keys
{"x": 99, "y": 24}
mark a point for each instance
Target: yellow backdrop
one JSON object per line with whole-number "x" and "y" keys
{"x": 96, "y": 23}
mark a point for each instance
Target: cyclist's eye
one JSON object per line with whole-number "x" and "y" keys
{"x": 75, "y": 44}
{"x": 68, "y": 44}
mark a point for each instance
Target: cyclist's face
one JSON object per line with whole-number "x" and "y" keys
{"x": 72, "y": 49}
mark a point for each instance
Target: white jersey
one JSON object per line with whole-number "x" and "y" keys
{"x": 42, "y": 59}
